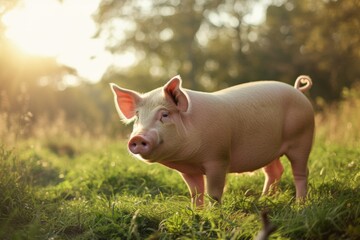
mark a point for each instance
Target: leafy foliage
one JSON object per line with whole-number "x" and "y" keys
{"x": 210, "y": 43}
{"x": 212, "y": 46}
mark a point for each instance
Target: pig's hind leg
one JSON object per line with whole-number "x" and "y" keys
{"x": 300, "y": 172}
{"x": 298, "y": 155}
{"x": 273, "y": 172}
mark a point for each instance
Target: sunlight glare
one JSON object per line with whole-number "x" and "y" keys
{"x": 38, "y": 27}
{"x": 60, "y": 29}
{"x": 64, "y": 30}
{"x": 257, "y": 15}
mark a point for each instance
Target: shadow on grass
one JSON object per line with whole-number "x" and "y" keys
{"x": 138, "y": 185}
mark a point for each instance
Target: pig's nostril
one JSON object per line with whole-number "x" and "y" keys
{"x": 139, "y": 145}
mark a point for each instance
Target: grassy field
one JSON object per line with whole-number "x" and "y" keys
{"x": 91, "y": 188}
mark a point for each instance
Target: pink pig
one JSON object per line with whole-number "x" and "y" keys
{"x": 238, "y": 129}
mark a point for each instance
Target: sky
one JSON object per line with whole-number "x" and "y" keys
{"x": 65, "y": 29}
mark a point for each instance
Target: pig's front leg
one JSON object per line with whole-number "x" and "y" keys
{"x": 215, "y": 179}
{"x": 195, "y": 183}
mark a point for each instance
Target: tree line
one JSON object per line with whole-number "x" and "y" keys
{"x": 211, "y": 44}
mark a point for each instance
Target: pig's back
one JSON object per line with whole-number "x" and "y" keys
{"x": 263, "y": 97}
{"x": 258, "y": 91}
{"x": 255, "y": 116}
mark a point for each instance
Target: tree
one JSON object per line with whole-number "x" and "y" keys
{"x": 212, "y": 47}
{"x": 32, "y": 85}
{"x": 315, "y": 38}
{"x": 172, "y": 37}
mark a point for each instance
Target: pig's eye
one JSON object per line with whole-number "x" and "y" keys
{"x": 164, "y": 116}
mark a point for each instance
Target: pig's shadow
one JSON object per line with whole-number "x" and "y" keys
{"x": 139, "y": 185}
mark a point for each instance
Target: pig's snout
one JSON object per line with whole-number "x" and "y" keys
{"x": 139, "y": 145}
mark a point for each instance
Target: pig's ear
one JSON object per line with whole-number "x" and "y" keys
{"x": 125, "y": 102}
{"x": 175, "y": 94}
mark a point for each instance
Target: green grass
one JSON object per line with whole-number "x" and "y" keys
{"x": 65, "y": 184}
{"x": 101, "y": 192}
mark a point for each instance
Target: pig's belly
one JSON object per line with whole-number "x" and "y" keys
{"x": 249, "y": 158}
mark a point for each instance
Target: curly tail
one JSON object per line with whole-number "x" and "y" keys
{"x": 303, "y": 79}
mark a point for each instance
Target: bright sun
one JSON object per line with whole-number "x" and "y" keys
{"x": 41, "y": 27}
{"x": 64, "y": 30}
{"x": 61, "y": 29}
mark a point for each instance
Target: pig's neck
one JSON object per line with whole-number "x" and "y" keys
{"x": 204, "y": 134}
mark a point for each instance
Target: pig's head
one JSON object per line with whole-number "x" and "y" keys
{"x": 159, "y": 130}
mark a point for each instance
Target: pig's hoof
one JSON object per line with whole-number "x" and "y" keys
{"x": 214, "y": 202}
{"x": 301, "y": 200}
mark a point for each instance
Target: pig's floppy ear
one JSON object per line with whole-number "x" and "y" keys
{"x": 175, "y": 94}
{"x": 125, "y": 102}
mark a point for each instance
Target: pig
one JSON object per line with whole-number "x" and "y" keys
{"x": 207, "y": 135}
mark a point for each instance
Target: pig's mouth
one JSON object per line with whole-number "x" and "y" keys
{"x": 153, "y": 155}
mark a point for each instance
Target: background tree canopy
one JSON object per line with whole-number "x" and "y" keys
{"x": 211, "y": 44}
